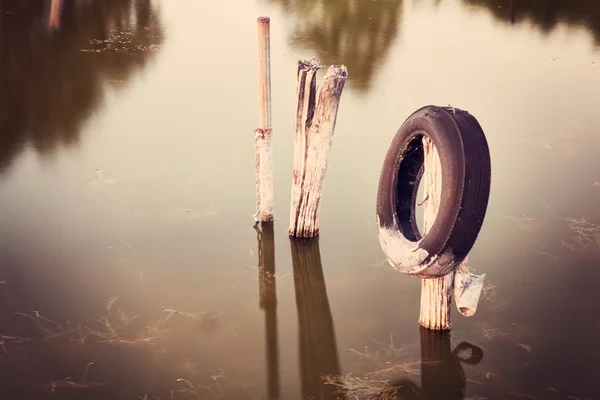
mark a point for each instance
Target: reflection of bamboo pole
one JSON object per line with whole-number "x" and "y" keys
{"x": 268, "y": 303}
{"x": 318, "y": 349}
{"x": 54, "y": 17}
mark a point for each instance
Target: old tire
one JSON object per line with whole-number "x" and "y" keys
{"x": 466, "y": 175}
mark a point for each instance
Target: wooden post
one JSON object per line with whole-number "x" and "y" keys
{"x": 268, "y": 303}
{"x": 316, "y": 116}
{"x": 264, "y": 158}
{"x": 436, "y": 294}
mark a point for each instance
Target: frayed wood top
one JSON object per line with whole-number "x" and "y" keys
{"x": 337, "y": 71}
{"x": 308, "y": 65}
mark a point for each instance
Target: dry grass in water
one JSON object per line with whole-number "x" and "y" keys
{"x": 388, "y": 362}
{"x": 116, "y": 328}
{"x": 354, "y": 388}
{"x": 69, "y": 383}
{"x": 489, "y": 333}
{"x": 586, "y": 234}
{"x": 489, "y": 294}
{"x": 199, "y": 390}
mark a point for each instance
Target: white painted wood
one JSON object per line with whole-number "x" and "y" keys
{"x": 436, "y": 293}
{"x": 315, "y": 125}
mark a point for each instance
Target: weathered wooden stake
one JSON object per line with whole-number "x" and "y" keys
{"x": 316, "y": 116}
{"x": 264, "y": 167}
{"x": 436, "y": 294}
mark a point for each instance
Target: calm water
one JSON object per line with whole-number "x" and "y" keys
{"x": 128, "y": 260}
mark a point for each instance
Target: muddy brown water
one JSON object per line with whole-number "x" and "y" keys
{"x": 128, "y": 260}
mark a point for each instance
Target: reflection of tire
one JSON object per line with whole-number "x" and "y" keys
{"x": 466, "y": 171}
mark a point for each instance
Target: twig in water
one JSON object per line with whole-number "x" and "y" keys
{"x": 548, "y": 255}
{"x": 528, "y": 348}
{"x": 71, "y": 384}
{"x": 171, "y": 311}
{"x": 130, "y": 248}
{"x": 490, "y": 333}
{"x": 192, "y": 389}
{"x": 523, "y": 395}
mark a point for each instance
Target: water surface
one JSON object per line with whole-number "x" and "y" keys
{"x": 129, "y": 265}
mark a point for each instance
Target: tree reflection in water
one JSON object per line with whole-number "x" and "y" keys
{"x": 57, "y": 56}
{"x": 355, "y": 33}
{"x": 544, "y": 14}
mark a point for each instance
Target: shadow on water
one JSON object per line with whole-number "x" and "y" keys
{"x": 57, "y": 57}
{"x": 546, "y": 15}
{"x": 442, "y": 375}
{"x": 318, "y": 349}
{"x": 268, "y": 303}
{"x": 358, "y": 34}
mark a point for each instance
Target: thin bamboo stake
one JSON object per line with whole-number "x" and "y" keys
{"x": 264, "y": 167}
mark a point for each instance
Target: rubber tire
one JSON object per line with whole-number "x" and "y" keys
{"x": 466, "y": 180}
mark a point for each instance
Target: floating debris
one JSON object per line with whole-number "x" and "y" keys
{"x": 122, "y": 42}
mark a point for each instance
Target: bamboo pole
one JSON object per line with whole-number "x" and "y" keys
{"x": 264, "y": 158}
{"x": 316, "y": 115}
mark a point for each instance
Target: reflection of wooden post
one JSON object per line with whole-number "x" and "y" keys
{"x": 316, "y": 116}
{"x": 264, "y": 161}
{"x": 268, "y": 303}
{"x": 442, "y": 375}
{"x": 318, "y": 349}
{"x": 54, "y": 17}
